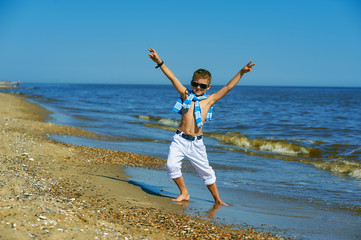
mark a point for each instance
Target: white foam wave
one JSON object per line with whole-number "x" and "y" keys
{"x": 272, "y": 146}
{"x": 340, "y": 166}
{"x": 284, "y": 149}
{"x": 170, "y": 122}
{"x": 145, "y": 117}
{"x": 355, "y": 173}
{"x": 165, "y": 121}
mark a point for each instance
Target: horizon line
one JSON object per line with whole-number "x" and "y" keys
{"x": 216, "y": 85}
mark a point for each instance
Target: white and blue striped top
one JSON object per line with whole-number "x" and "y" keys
{"x": 197, "y": 109}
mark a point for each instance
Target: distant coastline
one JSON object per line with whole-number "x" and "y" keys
{"x": 9, "y": 85}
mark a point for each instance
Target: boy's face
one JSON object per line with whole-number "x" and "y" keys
{"x": 199, "y": 84}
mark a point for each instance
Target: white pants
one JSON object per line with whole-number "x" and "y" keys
{"x": 195, "y": 151}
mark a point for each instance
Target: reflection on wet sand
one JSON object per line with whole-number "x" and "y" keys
{"x": 211, "y": 213}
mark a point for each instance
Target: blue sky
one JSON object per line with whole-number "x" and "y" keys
{"x": 293, "y": 43}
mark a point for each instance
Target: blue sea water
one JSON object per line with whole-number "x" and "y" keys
{"x": 287, "y": 159}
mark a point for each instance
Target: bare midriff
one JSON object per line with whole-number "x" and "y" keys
{"x": 188, "y": 123}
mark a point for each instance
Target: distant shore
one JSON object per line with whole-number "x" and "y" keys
{"x": 52, "y": 190}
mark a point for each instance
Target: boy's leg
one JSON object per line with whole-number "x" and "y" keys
{"x": 184, "y": 194}
{"x": 214, "y": 191}
{"x": 174, "y": 165}
{"x": 199, "y": 160}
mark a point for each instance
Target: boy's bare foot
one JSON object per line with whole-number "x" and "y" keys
{"x": 182, "y": 197}
{"x": 220, "y": 202}
{"x": 214, "y": 191}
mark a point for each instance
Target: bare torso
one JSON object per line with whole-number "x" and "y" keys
{"x": 188, "y": 123}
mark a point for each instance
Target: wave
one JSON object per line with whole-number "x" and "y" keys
{"x": 281, "y": 149}
{"x": 286, "y": 150}
{"x": 165, "y": 121}
{"x": 169, "y": 128}
{"x": 340, "y": 166}
{"x": 273, "y": 146}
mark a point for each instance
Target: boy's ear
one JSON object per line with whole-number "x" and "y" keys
{"x": 209, "y": 86}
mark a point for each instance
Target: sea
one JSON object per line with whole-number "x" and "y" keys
{"x": 287, "y": 159}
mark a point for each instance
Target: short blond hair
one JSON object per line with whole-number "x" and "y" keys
{"x": 202, "y": 73}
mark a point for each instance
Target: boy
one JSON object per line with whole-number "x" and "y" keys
{"x": 195, "y": 107}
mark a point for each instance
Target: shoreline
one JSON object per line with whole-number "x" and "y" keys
{"x": 54, "y": 190}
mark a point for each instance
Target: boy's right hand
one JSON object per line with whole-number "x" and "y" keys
{"x": 154, "y": 56}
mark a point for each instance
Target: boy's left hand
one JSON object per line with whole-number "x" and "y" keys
{"x": 154, "y": 56}
{"x": 248, "y": 67}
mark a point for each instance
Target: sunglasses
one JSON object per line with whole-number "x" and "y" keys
{"x": 201, "y": 85}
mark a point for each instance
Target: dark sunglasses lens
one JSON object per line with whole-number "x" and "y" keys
{"x": 201, "y": 85}
{"x": 194, "y": 84}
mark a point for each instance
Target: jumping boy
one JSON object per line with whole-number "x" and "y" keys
{"x": 196, "y": 107}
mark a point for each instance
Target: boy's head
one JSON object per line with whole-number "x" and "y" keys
{"x": 201, "y": 81}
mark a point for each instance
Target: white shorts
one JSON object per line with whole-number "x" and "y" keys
{"x": 195, "y": 151}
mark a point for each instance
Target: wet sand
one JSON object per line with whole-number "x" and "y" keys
{"x": 52, "y": 190}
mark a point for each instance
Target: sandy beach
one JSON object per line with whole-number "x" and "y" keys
{"x": 52, "y": 190}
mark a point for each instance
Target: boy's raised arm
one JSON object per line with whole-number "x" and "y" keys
{"x": 176, "y": 83}
{"x": 233, "y": 82}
